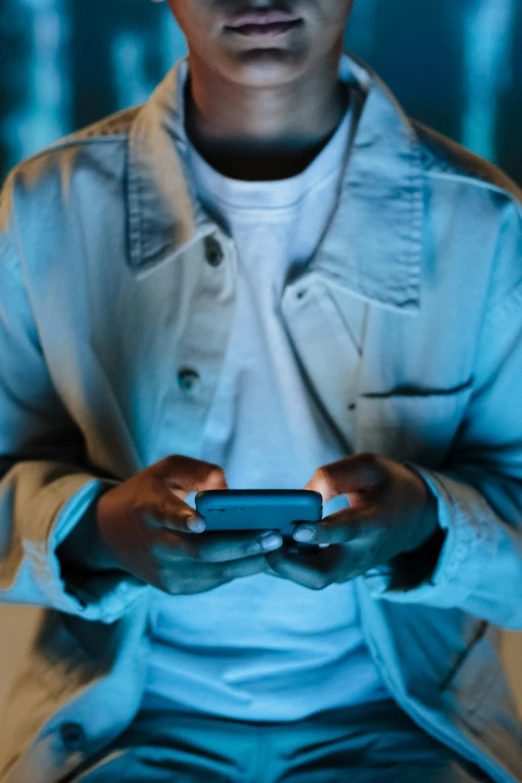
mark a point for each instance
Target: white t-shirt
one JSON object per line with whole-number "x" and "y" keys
{"x": 262, "y": 648}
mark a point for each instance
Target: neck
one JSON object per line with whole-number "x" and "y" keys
{"x": 263, "y": 133}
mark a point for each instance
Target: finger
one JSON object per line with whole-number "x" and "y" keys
{"x": 173, "y": 514}
{"x": 314, "y": 570}
{"x": 220, "y": 547}
{"x": 207, "y": 576}
{"x": 344, "y": 526}
{"x": 183, "y": 475}
{"x": 349, "y": 475}
{"x": 221, "y": 573}
{"x": 236, "y": 569}
{"x": 267, "y": 569}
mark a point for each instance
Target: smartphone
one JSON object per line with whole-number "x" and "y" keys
{"x": 258, "y": 509}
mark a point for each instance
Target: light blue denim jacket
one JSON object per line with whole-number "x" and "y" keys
{"x": 116, "y": 299}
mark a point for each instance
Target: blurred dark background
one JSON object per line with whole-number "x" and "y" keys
{"x": 454, "y": 64}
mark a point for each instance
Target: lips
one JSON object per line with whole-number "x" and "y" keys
{"x": 263, "y": 18}
{"x": 264, "y": 30}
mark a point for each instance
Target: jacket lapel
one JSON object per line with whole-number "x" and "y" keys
{"x": 373, "y": 245}
{"x": 164, "y": 214}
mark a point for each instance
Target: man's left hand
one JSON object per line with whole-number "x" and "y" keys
{"x": 391, "y": 512}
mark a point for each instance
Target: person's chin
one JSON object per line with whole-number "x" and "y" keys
{"x": 264, "y": 66}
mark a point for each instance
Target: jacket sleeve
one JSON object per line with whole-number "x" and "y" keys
{"x": 45, "y": 486}
{"x": 479, "y": 489}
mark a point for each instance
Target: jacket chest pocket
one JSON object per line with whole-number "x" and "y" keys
{"x": 416, "y": 427}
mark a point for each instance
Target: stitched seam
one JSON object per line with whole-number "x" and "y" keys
{"x": 469, "y": 180}
{"x": 135, "y": 217}
{"x": 416, "y": 212}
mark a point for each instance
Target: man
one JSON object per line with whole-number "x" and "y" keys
{"x": 265, "y": 277}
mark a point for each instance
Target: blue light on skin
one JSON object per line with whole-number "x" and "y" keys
{"x": 302, "y": 533}
{"x": 305, "y": 535}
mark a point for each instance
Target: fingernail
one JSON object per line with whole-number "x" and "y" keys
{"x": 196, "y": 525}
{"x": 304, "y": 535}
{"x": 271, "y": 541}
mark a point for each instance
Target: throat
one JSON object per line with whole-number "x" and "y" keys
{"x": 260, "y": 159}
{"x": 257, "y": 164}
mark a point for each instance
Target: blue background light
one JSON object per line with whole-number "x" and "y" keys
{"x": 454, "y": 64}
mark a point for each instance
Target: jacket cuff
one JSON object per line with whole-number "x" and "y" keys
{"x": 102, "y": 596}
{"x": 469, "y": 544}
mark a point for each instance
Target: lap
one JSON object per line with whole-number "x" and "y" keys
{"x": 375, "y": 743}
{"x": 136, "y": 768}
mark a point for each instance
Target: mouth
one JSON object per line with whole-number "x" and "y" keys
{"x": 264, "y": 24}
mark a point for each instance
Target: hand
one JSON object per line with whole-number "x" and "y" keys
{"x": 391, "y": 512}
{"x": 144, "y": 527}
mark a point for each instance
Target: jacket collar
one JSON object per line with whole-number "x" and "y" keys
{"x": 373, "y": 245}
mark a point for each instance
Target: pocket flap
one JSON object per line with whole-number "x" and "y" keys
{"x": 416, "y": 426}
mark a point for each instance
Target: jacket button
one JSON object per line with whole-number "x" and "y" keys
{"x": 188, "y": 379}
{"x": 73, "y": 736}
{"x": 213, "y": 251}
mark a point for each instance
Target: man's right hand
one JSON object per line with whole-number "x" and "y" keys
{"x": 143, "y": 527}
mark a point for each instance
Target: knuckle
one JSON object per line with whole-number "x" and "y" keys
{"x": 161, "y": 470}
{"x": 225, "y": 573}
{"x": 215, "y": 473}
{"x": 181, "y": 587}
{"x": 253, "y": 548}
{"x": 169, "y": 547}
{"x": 189, "y": 550}
{"x": 204, "y": 554}
{"x": 318, "y": 582}
{"x": 170, "y": 461}
{"x": 369, "y": 458}
{"x": 167, "y": 581}
{"x": 324, "y": 474}
{"x": 170, "y": 469}
{"x": 139, "y": 506}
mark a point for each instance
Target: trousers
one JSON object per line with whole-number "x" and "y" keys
{"x": 369, "y": 743}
